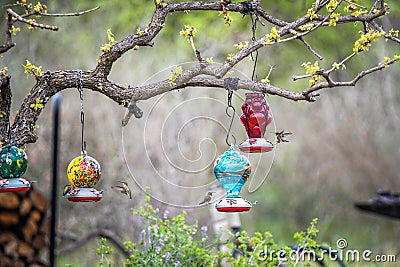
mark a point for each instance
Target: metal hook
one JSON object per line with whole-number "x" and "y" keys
{"x": 230, "y": 84}
{"x": 230, "y": 125}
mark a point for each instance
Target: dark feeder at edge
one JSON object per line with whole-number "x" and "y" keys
{"x": 13, "y": 164}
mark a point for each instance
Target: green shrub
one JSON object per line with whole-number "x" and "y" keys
{"x": 171, "y": 242}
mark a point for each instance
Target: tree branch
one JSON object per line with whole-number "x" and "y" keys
{"x": 203, "y": 74}
{"x": 74, "y": 14}
{"x": 8, "y": 44}
{"x": 352, "y": 82}
{"x": 32, "y": 23}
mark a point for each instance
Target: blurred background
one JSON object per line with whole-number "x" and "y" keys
{"x": 343, "y": 147}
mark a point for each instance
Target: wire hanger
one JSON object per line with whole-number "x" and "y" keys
{"x": 79, "y": 86}
{"x": 230, "y": 84}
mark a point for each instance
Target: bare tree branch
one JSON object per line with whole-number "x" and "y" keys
{"x": 74, "y": 14}
{"x": 203, "y": 74}
{"x": 31, "y": 22}
{"x": 8, "y": 44}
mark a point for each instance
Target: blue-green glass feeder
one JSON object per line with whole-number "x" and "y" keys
{"x": 232, "y": 170}
{"x": 13, "y": 164}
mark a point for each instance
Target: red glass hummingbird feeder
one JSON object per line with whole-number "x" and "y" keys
{"x": 255, "y": 119}
{"x": 13, "y": 164}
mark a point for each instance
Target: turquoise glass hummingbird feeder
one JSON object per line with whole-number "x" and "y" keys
{"x": 13, "y": 164}
{"x": 255, "y": 119}
{"x": 232, "y": 170}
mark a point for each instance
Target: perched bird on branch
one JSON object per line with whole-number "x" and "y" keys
{"x": 124, "y": 188}
{"x": 207, "y": 198}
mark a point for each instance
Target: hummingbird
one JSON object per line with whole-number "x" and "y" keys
{"x": 124, "y": 188}
{"x": 25, "y": 181}
{"x": 67, "y": 189}
{"x": 280, "y": 136}
{"x": 96, "y": 192}
{"x": 207, "y": 198}
{"x": 4, "y": 182}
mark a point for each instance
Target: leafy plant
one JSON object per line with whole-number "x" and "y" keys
{"x": 171, "y": 242}
{"x": 103, "y": 251}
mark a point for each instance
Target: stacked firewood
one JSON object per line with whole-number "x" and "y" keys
{"x": 23, "y": 228}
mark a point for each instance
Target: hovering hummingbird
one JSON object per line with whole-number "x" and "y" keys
{"x": 67, "y": 189}
{"x": 124, "y": 188}
{"x": 207, "y": 198}
{"x": 280, "y": 136}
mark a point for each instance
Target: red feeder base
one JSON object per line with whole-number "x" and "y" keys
{"x": 85, "y": 195}
{"x": 233, "y": 209}
{"x": 233, "y": 205}
{"x": 14, "y": 185}
{"x": 84, "y": 199}
{"x": 256, "y": 145}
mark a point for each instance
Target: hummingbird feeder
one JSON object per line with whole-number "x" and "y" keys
{"x": 13, "y": 164}
{"x": 83, "y": 171}
{"x": 83, "y": 174}
{"x": 232, "y": 170}
{"x": 255, "y": 119}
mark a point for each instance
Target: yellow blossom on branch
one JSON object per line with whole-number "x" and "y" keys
{"x": 37, "y": 105}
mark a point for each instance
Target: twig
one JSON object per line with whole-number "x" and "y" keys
{"x": 69, "y": 14}
{"x": 311, "y": 49}
{"x": 196, "y": 52}
{"x": 352, "y": 3}
{"x": 8, "y": 44}
{"x": 352, "y": 82}
{"x": 31, "y": 22}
